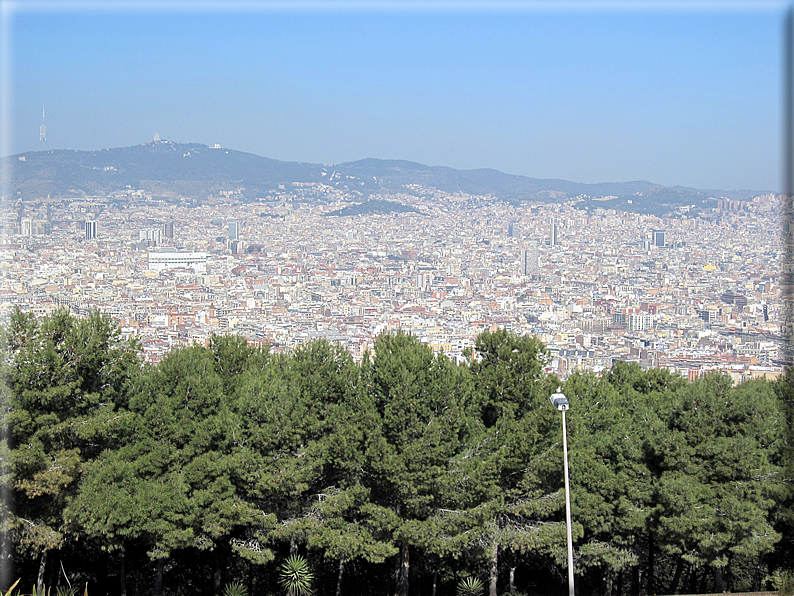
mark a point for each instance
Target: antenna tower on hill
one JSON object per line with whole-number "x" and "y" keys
{"x": 42, "y": 130}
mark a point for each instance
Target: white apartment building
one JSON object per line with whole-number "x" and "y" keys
{"x": 163, "y": 261}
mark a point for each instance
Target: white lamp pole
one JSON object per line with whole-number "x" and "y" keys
{"x": 561, "y": 403}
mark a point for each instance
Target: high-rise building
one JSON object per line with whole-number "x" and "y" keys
{"x": 554, "y": 232}
{"x": 234, "y": 230}
{"x": 511, "y": 229}
{"x": 529, "y": 261}
{"x": 168, "y": 230}
{"x": 658, "y": 238}
{"x": 152, "y": 236}
{"x": 423, "y": 280}
{"x": 90, "y": 229}
{"x": 34, "y": 227}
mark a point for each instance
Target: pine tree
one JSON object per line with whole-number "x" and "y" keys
{"x": 513, "y": 499}
{"x": 420, "y": 400}
{"x": 69, "y": 382}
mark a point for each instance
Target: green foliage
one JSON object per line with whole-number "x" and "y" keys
{"x": 45, "y": 591}
{"x": 612, "y": 487}
{"x": 420, "y": 400}
{"x": 783, "y": 581}
{"x": 509, "y": 373}
{"x": 295, "y": 576}
{"x": 235, "y": 589}
{"x": 511, "y": 500}
{"x": 470, "y": 586}
{"x": 11, "y": 589}
{"x": 177, "y": 482}
{"x": 227, "y": 453}
{"x": 344, "y": 524}
{"x": 717, "y": 478}
{"x": 69, "y": 381}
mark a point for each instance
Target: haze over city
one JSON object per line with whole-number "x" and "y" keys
{"x": 301, "y": 298}
{"x": 676, "y": 93}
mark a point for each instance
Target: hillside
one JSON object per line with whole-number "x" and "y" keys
{"x": 196, "y": 170}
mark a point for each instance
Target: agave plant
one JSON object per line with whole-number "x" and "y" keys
{"x": 14, "y": 585}
{"x": 296, "y": 577}
{"x": 470, "y": 586}
{"x": 235, "y": 589}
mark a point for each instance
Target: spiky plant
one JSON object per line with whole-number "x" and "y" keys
{"x": 235, "y": 589}
{"x": 470, "y": 586}
{"x": 296, "y": 577}
{"x": 14, "y": 585}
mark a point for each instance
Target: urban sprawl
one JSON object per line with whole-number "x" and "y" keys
{"x": 694, "y": 292}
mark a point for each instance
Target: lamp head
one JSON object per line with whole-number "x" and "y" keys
{"x": 559, "y": 401}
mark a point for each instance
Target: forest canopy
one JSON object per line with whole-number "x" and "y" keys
{"x": 406, "y": 473}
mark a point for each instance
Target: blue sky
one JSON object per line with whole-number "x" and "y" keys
{"x": 688, "y": 96}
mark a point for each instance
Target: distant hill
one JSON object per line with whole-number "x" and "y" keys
{"x": 373, "y": 207}
{"x": 188, "y": 168}
{"x": 395, "y": 174}
{"x": 192, "y": 169}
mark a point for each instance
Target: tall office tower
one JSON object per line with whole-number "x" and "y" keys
{"x": 168, "y": 230}
{"x": 511, "y": 229}
{"x": 90, "y": 229}
{"x": 234, "y": 230}
{"x": 658, "y": 238}
{"x": 153, "y": 236}
{"x": 554, "y": 232}
{"x": 529, "y": 261}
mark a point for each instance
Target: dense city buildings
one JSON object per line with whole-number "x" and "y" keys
{"x": 690, "y": 294}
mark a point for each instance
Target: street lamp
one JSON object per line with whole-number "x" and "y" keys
{"x": 559, "y": 401}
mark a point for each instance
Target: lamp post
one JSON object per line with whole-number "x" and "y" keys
{"x": 559, "y": 401}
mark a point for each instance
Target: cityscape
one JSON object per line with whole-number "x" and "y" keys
{"x": 397, "y": 299}
{"x": 692, "y": 293}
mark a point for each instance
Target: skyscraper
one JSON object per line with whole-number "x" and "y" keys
{"x": 529, "y": 261}
{"x": 511, "y": 229}
{"x": 90, "y": 229}
{"x": 554, "y": 231}
{"x": 168, "y": 229}
{"x": 234, "y": 233}
{"x": 658, "y": 238}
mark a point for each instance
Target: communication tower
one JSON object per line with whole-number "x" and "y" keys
{"x": 42, "y": 130}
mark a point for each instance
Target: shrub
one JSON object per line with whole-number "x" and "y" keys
{"x": 296, "y": 577}
{"x": 470, "y": 586}
{"x": 235, "y": 589}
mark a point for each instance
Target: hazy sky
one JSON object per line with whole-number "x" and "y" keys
{"x": 589, "y": 92}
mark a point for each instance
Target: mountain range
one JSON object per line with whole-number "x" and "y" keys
{"x": 193, "y": 169}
